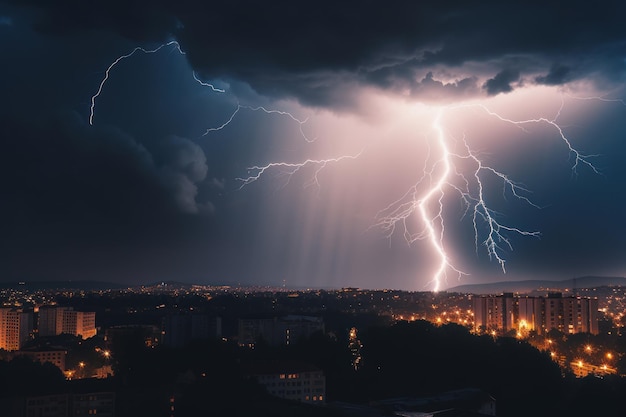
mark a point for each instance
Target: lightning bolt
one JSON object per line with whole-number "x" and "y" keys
{"x": 289, "y": 169}
{"x": 599, "y": 98}
{"x": 415, "y": 200}
{"x": 441, "y": 176}
{"x": 579, "y": 158}
{"x": 107, "y": 73}
{"x": 177, "y": 47}
{"x": 266, "y": 111}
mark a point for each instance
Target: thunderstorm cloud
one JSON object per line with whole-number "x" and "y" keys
{"x": 308, "y": 51}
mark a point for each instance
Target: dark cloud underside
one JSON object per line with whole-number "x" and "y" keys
{"x": 300, "y": 49}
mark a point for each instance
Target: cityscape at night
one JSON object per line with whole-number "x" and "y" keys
{"x": 343, "y": 209}
{"x": 161, "y": 349}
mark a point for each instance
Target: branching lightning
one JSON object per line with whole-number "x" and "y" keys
{"x": 439, "y": 177}
{"x": 261, "y": 108}
{"x": 290, "y": 169}
{"x": 579, "y": 158}
{"x": 107, "y": 73}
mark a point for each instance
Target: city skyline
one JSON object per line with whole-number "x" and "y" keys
{"x": 264, "y": 145}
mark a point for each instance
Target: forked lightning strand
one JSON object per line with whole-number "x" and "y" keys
{"x": 579, "y": 158}
{"x": 290, "y": 168}
{"x": 107, "y": 73}
{"x": 441, "y": 176}
{"x": 261, "y": 108}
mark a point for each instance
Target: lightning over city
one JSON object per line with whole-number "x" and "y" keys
{"x": 326, "y": 208}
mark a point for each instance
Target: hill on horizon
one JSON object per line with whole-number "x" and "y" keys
{"x": 63, "y": 285}
{"x": 527, "y": 286}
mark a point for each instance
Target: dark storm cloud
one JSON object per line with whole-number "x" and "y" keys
{"x": 501, "y": 83}
{"x": 431, "y": 89}
{"x": 558, "y": 74}
{"x": 136, "y": 20}
{"x": 59, "y": 168}
{"x": 305, "y": 50}
{"x": 405, "y": 78}
{"x": 186, "y": 166}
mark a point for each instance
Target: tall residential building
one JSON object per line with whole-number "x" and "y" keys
{"x": 16, "y": 327}
{"x": 541, "y": 314}
{"x": 495, "y": 312}
{"x": 50, "y": 320}
{"x": 55, "y": 320}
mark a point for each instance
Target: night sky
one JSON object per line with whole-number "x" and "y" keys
{"x": 155, "y": 187}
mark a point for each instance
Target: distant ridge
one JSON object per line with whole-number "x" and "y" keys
{"x": 533, "y": 285}
{"x": 168, "y": 284}
{"x": 63, "y": 285}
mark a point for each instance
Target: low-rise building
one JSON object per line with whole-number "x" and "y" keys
{"x": 291, "y": 380}
{"x": 56, "y": 356}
